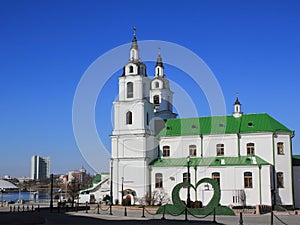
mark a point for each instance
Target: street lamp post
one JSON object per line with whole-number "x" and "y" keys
{"x": 111, "y": 183}
{"x": 188, "y": 201}
{"x": 122, "y": 190}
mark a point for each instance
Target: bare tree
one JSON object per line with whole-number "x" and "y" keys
{"x": 242, "y": 196}
{"x": 146, "y": 200}
{"x": 73, "y": 191}
{"x": 159, "y": 197}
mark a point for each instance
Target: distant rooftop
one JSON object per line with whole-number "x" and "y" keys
{"x": 4, "y": 184}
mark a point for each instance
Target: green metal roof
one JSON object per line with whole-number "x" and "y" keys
{"x": 296, "y": 160}
{"x": 247, "y": 123}
{"x": 211, "y": 161}
{"x": 296, "y": 156}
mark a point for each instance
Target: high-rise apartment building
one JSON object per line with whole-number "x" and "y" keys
{"x": 40, "y": 167}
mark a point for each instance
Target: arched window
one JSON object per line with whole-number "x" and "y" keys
{"x": 158, "y": 180}
{"x": 216, "y": 176}
{"x": 193, "y": 150}
{"x": 220, "y": 149}
{"x": 129, "y": 90}
{"x": 156, "y": 85}
{"x": 250, "y": 149}
{"x": 157, "y": 71}
{"x": 280, "y": 183}
{"x": 129, "y": 117}
{"x": 130, "y": 69}
{"x": 156, "y": 99}
{"x": 247, "y": 180}
{"x": 280, "y": 149}
{"x": 166, "y": 151}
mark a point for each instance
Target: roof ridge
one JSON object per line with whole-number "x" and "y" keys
{"x": 229, "y": 115}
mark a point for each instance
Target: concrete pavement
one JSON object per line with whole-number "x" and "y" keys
{"x": 134, "y": 217}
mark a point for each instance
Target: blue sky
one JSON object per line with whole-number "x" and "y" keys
{"x": 46, "y": 46}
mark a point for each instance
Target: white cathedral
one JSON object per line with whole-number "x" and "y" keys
{"x": 249, "y": 155}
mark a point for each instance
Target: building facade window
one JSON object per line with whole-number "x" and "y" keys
{"x": 250, "y": 149}
{"x": 166, "y": 151}
{"x": 158, "y": 180}
{"x": 156, "y": 99}
{"x": 248, "y": 180}
{"x": 216, "y": 176}
{"x": 280, "y": 183}
{"x": 129, "y": 90}
{"x": 193, "y": 150}
{"x": 129, "y": 117}
{"x": 280, "y": 148}
{"x": 130, "y": 69}
{"x": 156, "y": 85}
{"x": 220, "y": 149}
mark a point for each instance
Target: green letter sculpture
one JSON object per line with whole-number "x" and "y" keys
{"x": 178, "y": 206}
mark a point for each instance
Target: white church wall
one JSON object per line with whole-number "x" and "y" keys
{"x": 141, "y": 86}
{"x": 283, "y": 164}
{"x": 210, "y": 144}
{"x": 152, "y": 148}
{"x": 122, "y": 91}
{"x": 172, "y": 143}
{"x": 134, "y": 147}
{"x": 179, "y": 145}
{"x": 231, "y": 184}
{"x": 114, "y": 147}
{"x": 184, "y": 142}
{"x": 266, "y": 185}
{"x": 252, "y": 194}
{"x": 135, "y": 175}
{"x": 139, "y": 109}
{"x": 263, "y": 145}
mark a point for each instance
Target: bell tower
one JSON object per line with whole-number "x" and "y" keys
{"x": 160, "y": 94}
{"x": 133, "y": 141}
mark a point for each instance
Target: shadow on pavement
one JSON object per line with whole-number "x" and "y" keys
{"x": 34, "y": 218}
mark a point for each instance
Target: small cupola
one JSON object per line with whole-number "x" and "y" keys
{"x": 237, "y": 108}
{"x": 134, "y": 50}
{"x": 134, "y": 66}
{"x": 159, "y": 67}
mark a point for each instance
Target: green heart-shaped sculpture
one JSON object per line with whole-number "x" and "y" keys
{"x": 178, "y": 207}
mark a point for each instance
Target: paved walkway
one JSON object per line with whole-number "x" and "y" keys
{"x": 134, "y": 217}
